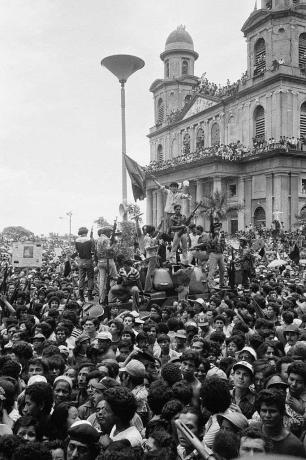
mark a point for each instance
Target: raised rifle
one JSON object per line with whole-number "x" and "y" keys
{"x": 113, "y": 234}
{"x": 3, "y": 286}
{"x": 109, "y": 256}
{"x": 189, "y": 219}
{"x": 203, "y": 451}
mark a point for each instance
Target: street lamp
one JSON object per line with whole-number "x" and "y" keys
{"x": 122, "y": 66}
{"x": 69, "y": 214}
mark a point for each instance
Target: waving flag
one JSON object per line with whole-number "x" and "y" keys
{"x": 137, "y": 176}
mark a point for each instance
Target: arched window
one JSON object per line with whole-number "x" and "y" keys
{"x": 303, "y": 120}
{"x": 174, "y": 149}
{"x": 160, "y": 154}
{"x": 302, "y": 51}
{"x": 185, "y": 66}
{"x": 186, "y": 144}
{"x": 259, "y": 120}
{"x": 160, "y": 111}
{"x": 303, "y": 213}
{"x": 167, "y": 69}
{"x": 200, "y": 139}
{"x": 260, "y": 57}
{"x": 259, "y": 217}
{"x": 215, "y": 134}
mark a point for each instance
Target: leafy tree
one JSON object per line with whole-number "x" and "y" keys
{"x": 125, "y": 245}
{"x": 17, "y": 232}
{"x": 102, "y": 222}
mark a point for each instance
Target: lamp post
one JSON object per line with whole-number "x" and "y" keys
{"x": 123, "y": 66}
{"x": 69, "y": 214}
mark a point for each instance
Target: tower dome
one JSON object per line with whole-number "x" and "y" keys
{"x": 179, "y": 39}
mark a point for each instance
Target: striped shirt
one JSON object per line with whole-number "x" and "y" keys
{"x": 129, "y": 278}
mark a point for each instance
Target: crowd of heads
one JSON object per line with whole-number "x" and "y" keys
{"x": 227, "y": 368}
{"x": 235, "y": 151}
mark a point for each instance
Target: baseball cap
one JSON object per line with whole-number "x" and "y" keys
{"x": 104, "y": 335}
{"x": 200, "y": 301}
{"x": 249, "y": 350}
{"x": 245, "y": 365}
{"x": 181, "y": 334}
{"x": 134, "y": 368}
{"x": 291, "y": 328}
{"x": 82, "y": 338}
{"x": 235, "y": 418}
{"x": 276, "y": 380}
{"x": 216, "y": 372}
{"x": 84, "y": 432}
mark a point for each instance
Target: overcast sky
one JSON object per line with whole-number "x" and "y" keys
{"x": 60, "y": 131}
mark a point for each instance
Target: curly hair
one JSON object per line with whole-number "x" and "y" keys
{"x": 122, "y": 402}
{"x": 26, "y": 421}
{"x": 183, "y": 392}
{"x": 226, "y": 445}
{"x": 215, "y": 395}
{"x": 8, "y": 444}
{"x": 159, "y": 394}
{"x": 298, "y": 368}
{"x": 171, "y": 409}
{"x": 32, "y": 451}
{"x": 41, "y": 394}
{"x": 190, "y": 355}
{"x": 271, "y": 397}
{"x": 22, "y": 350}
{"x": 238, "y": 340}
{"x": 10, "y": 368}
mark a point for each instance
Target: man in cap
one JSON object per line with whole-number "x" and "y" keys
{"x": 106, "y": 263}
{"x": 174, "y": 197}
{"x": 178, "y": 227}
{"x": 85, "y": 249}
{"x": 216, "y": 247}
{"x": 242, "y": 396}
{"x": 132, "y": 376}
{"x": 291, "y": 335}
{"x": 83, "y": 441}
{"x": 104, "y": 345}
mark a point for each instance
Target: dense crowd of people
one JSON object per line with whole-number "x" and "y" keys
{"x": 200, "y": 353}
{"x": 235, "y": 151}
{"x": 209, "y": 88}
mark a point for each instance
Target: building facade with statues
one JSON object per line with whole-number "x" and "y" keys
{"x": 245, "y": 139}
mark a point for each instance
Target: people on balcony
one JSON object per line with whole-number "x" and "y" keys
{"x": 234, "y": 151}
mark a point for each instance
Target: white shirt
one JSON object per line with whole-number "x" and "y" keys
{"x": 131, "y": 434}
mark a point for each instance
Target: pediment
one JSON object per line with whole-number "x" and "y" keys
{"x": 253, "y": 19}
{"x": 199, "y": 104}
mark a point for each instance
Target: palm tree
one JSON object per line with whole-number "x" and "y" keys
{"x": 216, "y": 207}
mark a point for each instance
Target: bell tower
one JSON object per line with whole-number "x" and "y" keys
{"x": 274, "y": 34}
{"x": 173, "y": 91}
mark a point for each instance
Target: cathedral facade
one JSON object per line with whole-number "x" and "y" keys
{"x": 264, "y": 114}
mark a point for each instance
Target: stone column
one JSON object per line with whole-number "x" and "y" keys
{"x": 295, "y": 130}
{"x": 159, "y": 206}
{"x": 248, "y": 201}
{"x": 154, "y": 207}
{"x": 149, "y": 208}
{"x": 269, "y": 199}
{"x": 294, "y": 200}
{"x": 241, "y": 214}
{"x": 281, "y": 194}
{"x": 217, "y": 185}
